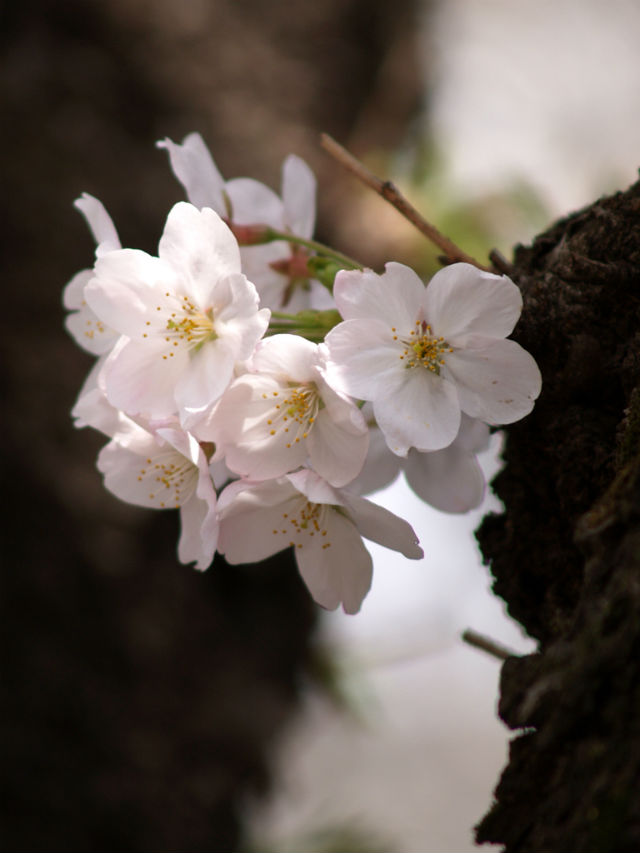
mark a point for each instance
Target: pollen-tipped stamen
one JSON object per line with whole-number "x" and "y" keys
{"x": 295, "y": 413}
{"x": 424, "y": 349}
{"x": 187, "y": 325}
{"x": 171, "y": 477}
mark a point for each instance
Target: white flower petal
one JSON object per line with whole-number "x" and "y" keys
{"x": 286, "y": 357}
{"x": 92, "y": 407}
{"x": 244, "y": 404}
{"x": 497, "y": 382}
{"x": 462, "y": 300}
{"x": 381, "y": 467}
{"x": 205, "y": 378}
{"x": 200, "y": 248}
{"x": 194, "y": 167}
{"x": 319, "y": 298}
{"x": 199, "y": 522}
{"x": 140, "y": 380}
{"x": 256, "y": 261}
{"x": 242, "y": 496}
{"x": 167, "y": 470}
{"x": 73, "y": 293}
{"x": 362, "y": 359}
{"x": 336, "y": 568}
{"x": 190, "y": 316}
{"x": 266, "y": 423}
{"x": 99, "y": 222}
{"x": 162, "y": 480}
{"x": 338, "y": 442}
{"x": 379, "y": 525}
{"x": 393, "y": 298}
{"x": 474, "y": 435}
{"x": 253, "y": 203}
{"x": 89, "y": 332}
{"x": 83, "y": 324}
{"x": 251, "y": 531}
{"x": 449, "y": 480}
{"x": 298, "y": 196}
{"x": 252, "y": 434}
{"x": 220, "y": 473}
{"x": 236, "y": 316}
{"x": 122, "y": 474}
{"x": 180, "y": 440}
{"x": 190, "y": 545}
{"x": 314, "y": 487}
{"x": 127, "y": 289}
{"x": 303, "y": 510}
{"x": 423, "y": 412}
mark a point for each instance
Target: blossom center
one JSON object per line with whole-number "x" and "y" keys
{"x": 424, "y": 349}
{"x": 171, "y": 478}
{"x": 295, "y": 412}
{"x": 186, "y": 326}
{"x": 306, "y": 523}
{"x": 194, "y": 327}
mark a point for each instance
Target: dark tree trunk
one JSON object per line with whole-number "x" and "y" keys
{"x": 139, "y": 697}
{"x": 565, "y": 554}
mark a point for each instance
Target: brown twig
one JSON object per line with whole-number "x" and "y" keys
{"x": 479, "y": 641}
{"x": 500, "y": 263}
{"x": 388, "y": 191}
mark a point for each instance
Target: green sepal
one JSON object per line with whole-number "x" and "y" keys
{"x": 321, "y": 320}
{"x": 309, "y": 324}
{"x": 324, "y": 269}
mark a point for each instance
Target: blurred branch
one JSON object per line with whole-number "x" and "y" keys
{"x": 479, "y": 641}
{"x": 389, "y": 192}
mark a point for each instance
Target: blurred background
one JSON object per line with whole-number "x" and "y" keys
{"x": 145, "y": 706}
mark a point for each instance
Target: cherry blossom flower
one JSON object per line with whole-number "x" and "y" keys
{"x": 93, "y": 409}
{"x": 423, "y": 355}
{"x": 87, "y": 329}
{"x": 165, "y": 469}
{"x": 450, "y": 479}
{"x": 278, "y": 269}
{"x": 193, "y": 166}
{"x": 186, "y": 317}
{"x": 324, "y": 525}
{"x": 273, "y": 418}
{"x": 191, "y": 397}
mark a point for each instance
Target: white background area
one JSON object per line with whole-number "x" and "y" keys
{"x": 548, "y": 91}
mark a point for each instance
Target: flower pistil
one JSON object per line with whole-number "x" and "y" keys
{"x": 423, "y": 348}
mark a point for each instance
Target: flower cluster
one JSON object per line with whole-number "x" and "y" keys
{"x": 261, "y": 383}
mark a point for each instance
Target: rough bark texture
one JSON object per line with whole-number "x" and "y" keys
{"x": 565, "y": 555}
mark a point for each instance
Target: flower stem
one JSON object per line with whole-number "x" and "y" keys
{"x": 312, "y": 325}
{"x": 479, "y": 641}
{"x": 320, "y": 248}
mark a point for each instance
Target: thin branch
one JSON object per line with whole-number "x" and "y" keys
{"x": 388, "y": 191}
{"x": 479, "y": 641}
{"x": 500, "y": 263}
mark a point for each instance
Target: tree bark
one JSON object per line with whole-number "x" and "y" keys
{"x": 565, "y": 554}
{"x": 139, "y": 697}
